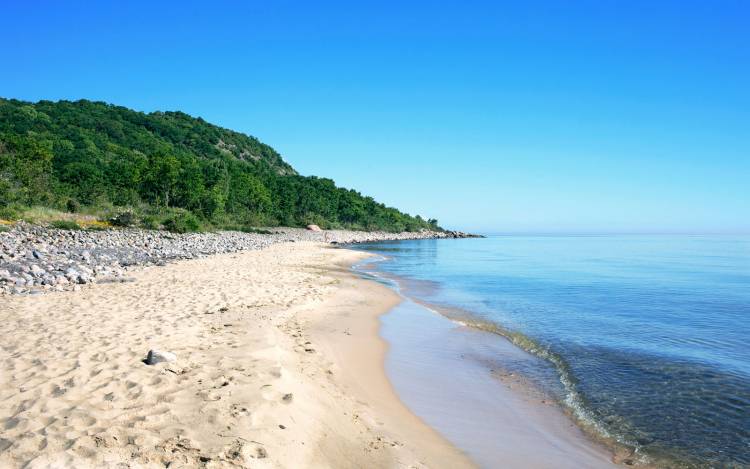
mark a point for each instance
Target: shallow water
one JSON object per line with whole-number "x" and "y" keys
{"x": 648, "y": 336}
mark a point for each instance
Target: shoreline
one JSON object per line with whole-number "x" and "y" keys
{"x": 425, "y": 342}
{"x": 272, "y": 369}
{"x": 36, "y": 259}
{"x": 281, "y": 362}
{"x": 356, "y": 343}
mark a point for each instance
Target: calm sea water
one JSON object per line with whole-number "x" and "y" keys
{"x": 648, "y": 336}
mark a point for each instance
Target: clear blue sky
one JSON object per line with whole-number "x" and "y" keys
{"x": 496, "y": 116}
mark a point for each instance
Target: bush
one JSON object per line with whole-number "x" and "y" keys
{"x": 184, "y": 222}
{"x": 124, "y": 219}
{"x": 10, "y": 213}
{"x": 73, "y": 206}
{"x": 65, "y": 225}
{"x": 150, "y": 222}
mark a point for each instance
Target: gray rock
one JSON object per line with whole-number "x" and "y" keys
{"x": 159, "y": 356}
{"x": 38, "y": 256}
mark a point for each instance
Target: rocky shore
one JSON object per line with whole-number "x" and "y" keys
{"x": 36, "y": 259}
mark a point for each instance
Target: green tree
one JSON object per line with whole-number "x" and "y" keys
{"x": 64, "y": 154}
{"x": 161, "y": 178}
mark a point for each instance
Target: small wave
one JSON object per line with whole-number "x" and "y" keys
{"x": 626, "y": 450}
{"x": 574, "y": 401}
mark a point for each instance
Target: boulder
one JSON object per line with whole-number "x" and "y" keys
{"x": 158, "y": 356}
{"x": 313, "y": 228}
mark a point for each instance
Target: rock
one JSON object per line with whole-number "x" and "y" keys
{"x": 158, "y": 356}
{"x": 36, "y": 257}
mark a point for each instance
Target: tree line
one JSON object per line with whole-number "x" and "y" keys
{"x": 91, "y": 155}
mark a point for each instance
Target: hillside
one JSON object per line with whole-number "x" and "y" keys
{"x": 168, "y": 169}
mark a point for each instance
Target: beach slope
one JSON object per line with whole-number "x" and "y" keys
{"x": 278, "y": 365}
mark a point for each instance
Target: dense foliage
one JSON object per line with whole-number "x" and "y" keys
{"x": 83, "y": 154}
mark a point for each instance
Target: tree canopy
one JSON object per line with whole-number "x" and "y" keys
{"x": 66, "y": 155}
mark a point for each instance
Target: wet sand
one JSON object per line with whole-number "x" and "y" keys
{"x": 280, "y": 363}
{"x": 452, "y": 377}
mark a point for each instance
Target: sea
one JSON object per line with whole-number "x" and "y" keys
{"x": 643, "y": 340}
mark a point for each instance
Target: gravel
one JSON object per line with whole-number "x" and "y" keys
{"x": 36, "y": 259}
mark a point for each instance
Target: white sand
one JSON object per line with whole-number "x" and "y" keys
{"x": 279, "y": 365}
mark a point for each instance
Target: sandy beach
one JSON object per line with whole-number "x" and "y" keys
{"x": 278, "y": 365}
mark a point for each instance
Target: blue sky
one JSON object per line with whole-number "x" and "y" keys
{"x": 586, "y": 116}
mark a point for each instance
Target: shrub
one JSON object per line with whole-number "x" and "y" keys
{"x": 65, "y": 225}
{"x": 10, "y": 213}
{"x": 124, "y": 219}
{"x": 72, "y": 205}
{"x": 150, "y": 222}
{"x": 183, "y": 222}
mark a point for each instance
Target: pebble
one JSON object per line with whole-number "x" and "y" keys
{"x": 36, "y": 256}
{"x": 158, "y": 356}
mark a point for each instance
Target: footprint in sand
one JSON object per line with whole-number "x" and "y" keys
{"x": 239, "y": 451}
{"x": 237, "y": 410}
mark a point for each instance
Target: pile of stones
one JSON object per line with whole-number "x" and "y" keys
{"x": 35, "y": 258}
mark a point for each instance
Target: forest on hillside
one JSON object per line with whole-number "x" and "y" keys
{"x": 166, "y": 169}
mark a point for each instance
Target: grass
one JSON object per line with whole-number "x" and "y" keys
{"x": 65, "y": 225}
{"x": 39, "y": 215}
{"x": 105, "y": 217}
